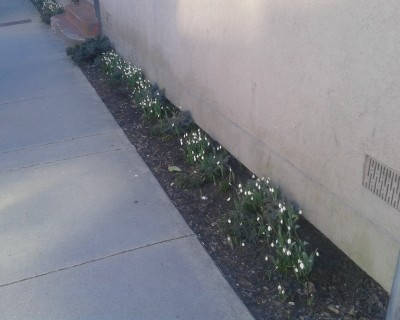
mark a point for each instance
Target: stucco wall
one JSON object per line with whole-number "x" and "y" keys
{"x": 300, "y": 91}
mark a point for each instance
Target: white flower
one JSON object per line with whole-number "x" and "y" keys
{"x": 281, "y": 221}
{"x": 289, "y": 253}
{"x": 302, "y": 266}
{"x": 296, "y": 270}
{"x": 272, "y": 245}
{"x": 289, "y": 228}
{"x": 269, "y": 228}
{"x": 229, "y": 199}
{"x": 266, "y": 258}
{"x": 204, "y": 198}
{"x": 284, "y": 250}
{"x": 258, "y": 218}
{"x": 228, "y": 238}
{"x": 279, "y": 288}
{"x": 300, "y": 212}
{"x": 317, "y": 253}
{"x": 242, "y": 244}
{"x": 240, "y": 185}
{"x": 289, "y": 241}
{"x": 251, "y": 198}
{"x": 253, "y": 176}
{"x": 229, "y": 221}
{"x": 280, "y": 205}
{"x": 283, "y": 291}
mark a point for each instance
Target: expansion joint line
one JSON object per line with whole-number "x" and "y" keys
{"x": 95, "y": 260}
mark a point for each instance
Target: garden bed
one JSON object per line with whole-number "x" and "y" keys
{"x": 336, "y": 289}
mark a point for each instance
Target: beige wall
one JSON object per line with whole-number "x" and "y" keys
{"x": 298, "y": 90}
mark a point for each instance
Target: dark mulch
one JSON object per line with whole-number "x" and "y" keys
{"x": 341, "y": 290}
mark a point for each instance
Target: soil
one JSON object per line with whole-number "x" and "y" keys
{"x": 340, "y": 289}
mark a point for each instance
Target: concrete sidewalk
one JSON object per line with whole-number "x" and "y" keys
{"x": 86, "y": 232}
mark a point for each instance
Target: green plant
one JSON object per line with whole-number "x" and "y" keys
{"x": 196, "y": 145}
{"x": 90, "y": 50}
{"x": 177, "y": 125}
{"x": 260, "y": 216}
{"x": 152, "y": 102}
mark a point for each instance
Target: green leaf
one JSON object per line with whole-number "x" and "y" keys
{"x": 174, "y": 169}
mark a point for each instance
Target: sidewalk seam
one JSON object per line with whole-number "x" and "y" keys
{"x": 43, "y": 97}
{"x": 94, "y": 260}
{"x": 64, "y": 159}
{"x": 60, "y": 141}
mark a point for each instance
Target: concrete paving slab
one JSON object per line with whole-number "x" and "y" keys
{"x": 53, "y": 118}
{"x": 73, "y": 211}
{"x": 42, "y": 70}
{"x": 17, "y": 10}
{"x": 170, "y": 280}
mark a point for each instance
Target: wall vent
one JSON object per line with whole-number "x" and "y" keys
{"x": 382, "y": 181}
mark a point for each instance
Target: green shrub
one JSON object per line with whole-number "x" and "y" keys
{"x": 90, "y": 50}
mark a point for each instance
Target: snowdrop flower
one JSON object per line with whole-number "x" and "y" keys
{"x": 269, "y": 228}
{"x": 289, "y": 241}
{"x": 296, "y": 270}
{"x": 302, "y": 266}
{"x": 229, "y": 199}
{"x": 266, "y": 258}
{"x": 317, "y": 253}
{"x": 242, "y": 244}
{"x": 258, "y": 218}
{"x": 229, "y": 221}
{"x": 300, "y": 212}
{"x": 289, "y": 253}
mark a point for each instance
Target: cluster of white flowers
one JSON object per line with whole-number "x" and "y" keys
{"x": 150, "y": 102}
{"x": 197, "y": 146}
{"x": 281, "y": 290}
{"x": 258, "y": 200}
{"x": 51, "y": 7}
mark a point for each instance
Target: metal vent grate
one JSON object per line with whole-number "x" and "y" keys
{"x": 382, "y": 181}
